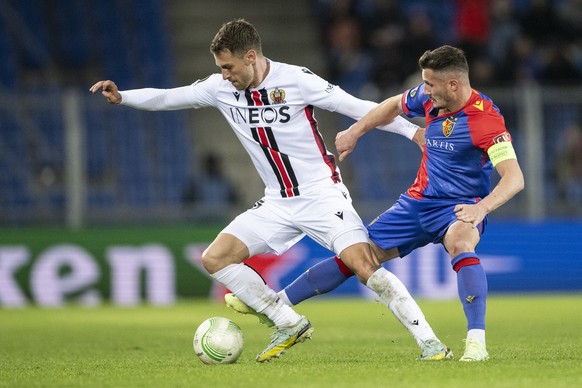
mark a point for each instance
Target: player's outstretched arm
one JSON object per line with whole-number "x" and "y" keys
{"x": 109, "y": 90}
{"x": 356, "y": 108}
{"x": 382, "y": 114}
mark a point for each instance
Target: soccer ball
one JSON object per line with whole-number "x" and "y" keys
{"x": 218, "y": 340}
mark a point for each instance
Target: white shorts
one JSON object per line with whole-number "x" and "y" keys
{"x": 274, "y": 225}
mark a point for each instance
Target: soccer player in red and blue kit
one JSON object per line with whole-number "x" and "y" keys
{"x": 450, "y": 199}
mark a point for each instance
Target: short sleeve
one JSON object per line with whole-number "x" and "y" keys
{"x": 488, "y": 129}
{"x": 413, "y": 102}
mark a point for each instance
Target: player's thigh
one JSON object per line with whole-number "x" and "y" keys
{"x": 330, "y": 219}
{"x": 264, "y": 229}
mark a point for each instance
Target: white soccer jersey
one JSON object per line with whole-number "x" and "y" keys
{"x": 275, "y": 122}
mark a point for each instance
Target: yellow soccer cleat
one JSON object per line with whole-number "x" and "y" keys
{"x": 241, "y": 307}
{"x": 434, "y": 350}
{"x": 284, "y": 338}
{"x": 474, "y": 351}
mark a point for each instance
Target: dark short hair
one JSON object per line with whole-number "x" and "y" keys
{"x": 444, "y": 58}
{"x": 238, "y": 36}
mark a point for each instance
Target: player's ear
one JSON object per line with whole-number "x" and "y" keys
{"x": 250, "y": 56}
{"x": 453, "y": 84}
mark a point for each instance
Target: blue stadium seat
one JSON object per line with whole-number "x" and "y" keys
{"x": 72, "y": 33}
{"x": 9, "y": 73}
{"x": 134, "y": 159}
{"x": 175, "y": 154}
{"x": 34, "y": 40}
{"x": 113, "y": 40}
{"x": 151, "y": 42}
{"x": 15, "y": 168}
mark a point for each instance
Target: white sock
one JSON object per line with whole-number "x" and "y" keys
{"x": 251, "y": 289}
{"x": 397, "y": 298}
{"x": 283, "y": 295}
{"x": 476, "y": 334}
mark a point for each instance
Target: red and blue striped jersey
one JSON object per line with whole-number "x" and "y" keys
{"x": 455, "y": 163}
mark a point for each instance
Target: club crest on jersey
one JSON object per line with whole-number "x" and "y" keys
{"x": 278, "y": 96}
{"x": 448, "y": 126}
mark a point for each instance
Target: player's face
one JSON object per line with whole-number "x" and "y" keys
{"x": 438, "y": 88}
{"x": 239, "y": 71}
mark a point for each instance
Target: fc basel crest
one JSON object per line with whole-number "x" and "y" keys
{"x": 277, "y": 96}
{"x": 449, "y": 126}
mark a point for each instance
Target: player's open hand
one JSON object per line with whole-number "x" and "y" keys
{"x": 109, "y": 91}
{"x": 472, "y": 214}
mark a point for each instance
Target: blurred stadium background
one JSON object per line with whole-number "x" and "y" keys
{"x": 70, "y": 162}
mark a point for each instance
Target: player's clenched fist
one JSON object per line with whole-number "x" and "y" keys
{"x": 345, "y": 142}
{"x": 109, "y": 91}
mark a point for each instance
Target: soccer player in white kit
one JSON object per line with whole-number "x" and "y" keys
{"x": 270, "y": 107}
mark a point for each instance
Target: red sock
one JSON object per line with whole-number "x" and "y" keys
{"x": 343, "y": 267}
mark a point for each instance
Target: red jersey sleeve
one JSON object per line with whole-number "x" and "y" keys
{"x": 486, "y": 125}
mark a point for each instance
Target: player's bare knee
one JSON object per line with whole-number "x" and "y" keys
{"x": 461, "y": 237}
{"x": 459, "y": 246}
{"x": 222, "y": 252}
{"x": 210, "y": 261}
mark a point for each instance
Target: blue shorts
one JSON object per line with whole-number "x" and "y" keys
{"x": 411, "y": 223}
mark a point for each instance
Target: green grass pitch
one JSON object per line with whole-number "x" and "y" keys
{"x": 534, "y": 341}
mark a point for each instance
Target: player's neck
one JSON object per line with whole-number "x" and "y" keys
{"x": 461, "y": 101}
{"x": 263, "y": 66}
